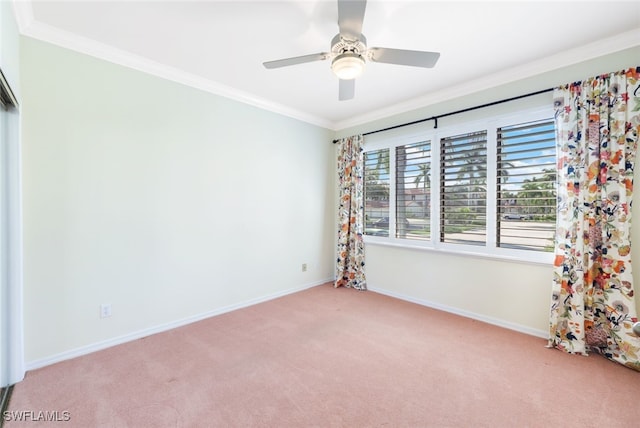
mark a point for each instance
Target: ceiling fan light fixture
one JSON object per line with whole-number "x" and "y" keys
{"x": 348, "y": 65}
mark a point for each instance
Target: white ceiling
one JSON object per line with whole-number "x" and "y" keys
{"x": 220, "y": 46}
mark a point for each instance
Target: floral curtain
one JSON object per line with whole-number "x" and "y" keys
{"x": 350, "y": 263}
{"x": 593, "y": 307}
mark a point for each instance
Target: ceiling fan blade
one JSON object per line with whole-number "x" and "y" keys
{"x": 404, "y": 57}
{"x": 350, "y": 17}
{"x": 295, "y": 60}
{"x": 347, "y": 89}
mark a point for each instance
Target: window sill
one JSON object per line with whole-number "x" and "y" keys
{"x": 513, "y": 256}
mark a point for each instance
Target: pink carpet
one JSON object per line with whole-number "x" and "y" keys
{"x": 329, "y": 357}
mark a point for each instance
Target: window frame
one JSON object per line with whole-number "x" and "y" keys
{"x": 364, "y": 213}
{"x": 441, "y": 187}
{"x": 545, "y": 161}
{"x": 426, "y": 132}
{"x": 409, "y": 158}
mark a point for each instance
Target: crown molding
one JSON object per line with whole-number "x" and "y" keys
{"x": 30, "y": 27}
{"x": 24, "y": 14}
{"x": 566, "y": 58}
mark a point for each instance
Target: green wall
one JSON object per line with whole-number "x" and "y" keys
{"x": 167, "y": 202}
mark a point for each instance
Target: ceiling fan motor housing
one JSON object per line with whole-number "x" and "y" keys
{"x": 357, "y": 45}
{"x": 349, "y": 52}
{"x": 348, "y": 56}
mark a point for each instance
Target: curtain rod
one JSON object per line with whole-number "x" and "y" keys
{"x": 435, "y": 118}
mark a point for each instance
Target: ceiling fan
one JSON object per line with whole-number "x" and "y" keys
{"x": 349, "y": 51}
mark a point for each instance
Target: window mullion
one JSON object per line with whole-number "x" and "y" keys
{"x": 492, "y": 154}
{"x": 392, "y": 193}
{"x": 435, "y": 189}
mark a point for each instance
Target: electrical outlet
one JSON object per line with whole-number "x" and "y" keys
{"x": 105, "y": 310}
{"x": 304, "y": 267}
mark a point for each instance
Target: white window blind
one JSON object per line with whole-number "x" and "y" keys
{"x": 376, "y": 192}
{"x": 526, "y": 180}
{"x": 485, "y": 187}
{"x": 413, "y": 191}
{"x": 463, "y": 190}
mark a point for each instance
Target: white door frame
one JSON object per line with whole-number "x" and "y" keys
{"x": 12, "y": 367}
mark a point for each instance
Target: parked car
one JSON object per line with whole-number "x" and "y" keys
{"x": 515, "y": 216}
{"x": 383, "y": 223}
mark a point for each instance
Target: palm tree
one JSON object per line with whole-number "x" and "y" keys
{"x": 383, "y": 161}
{"x": 504, "y": 196}
{"x": 424, "y": 176}
{"x": 539, "y": 193}
{"x": 376, "y": 189}
{"x": 475, "y": 168}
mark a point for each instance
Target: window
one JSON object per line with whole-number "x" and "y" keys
{"x": 376, "y": 192}
{"x": 526, "y": 179}
{"x": 463, "y": 189}
{"x": 480, "y": 188}
{"x": 413, "y": 191}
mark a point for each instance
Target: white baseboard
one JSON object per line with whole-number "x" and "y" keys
{"x": 84, "y": 350}
{"x": 467, "y": 314}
